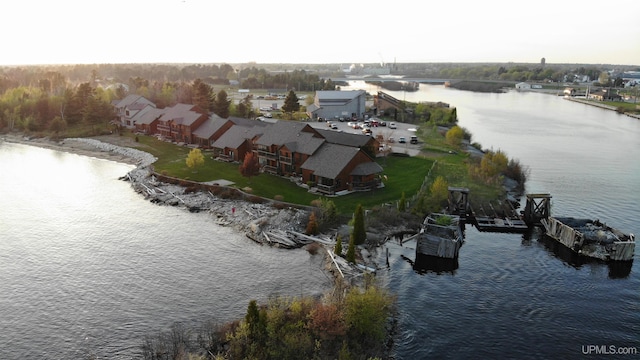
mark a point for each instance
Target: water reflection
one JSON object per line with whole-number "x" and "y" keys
{"x": 425, "y": 264}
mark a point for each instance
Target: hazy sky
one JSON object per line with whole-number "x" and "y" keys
{"x": 328, "y": 31}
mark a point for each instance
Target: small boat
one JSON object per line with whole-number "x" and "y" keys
{"x": 591, "y": 238}
{"x": 441, "y": 236}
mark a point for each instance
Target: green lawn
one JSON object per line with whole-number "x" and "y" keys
{"x": 401, "y": 174}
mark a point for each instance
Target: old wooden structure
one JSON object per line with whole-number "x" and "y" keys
{"x": 538, "y": 207}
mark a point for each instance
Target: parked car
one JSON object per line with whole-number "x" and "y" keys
{"x": 414, "y": 140}
{"x": 392, "y": 125}
{"x": 402, "y": 140}
{"x": 366, "y": 131}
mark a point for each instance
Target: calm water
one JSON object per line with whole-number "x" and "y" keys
{"x": 88, "y": 267}
{"x": 514, "y": 296}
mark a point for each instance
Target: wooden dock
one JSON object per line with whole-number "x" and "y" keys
{"x": 498, "y": 217}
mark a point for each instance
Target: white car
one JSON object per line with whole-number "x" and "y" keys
{"x": 392, "y": 125}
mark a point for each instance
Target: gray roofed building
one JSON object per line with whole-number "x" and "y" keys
{"x": 345, "y": 138}
{"x": 332, "y": 104}
{"x": 128, "y": 107}
{"x": 210, "y": 127}
{"x": 236, "y": 135}
{"x": 183, "y": 114}
{"x": 147, "y": 115}
{"x": 298, "y": 137}
{"x": 330, "y": 160}
{"x": 367, "y": 168}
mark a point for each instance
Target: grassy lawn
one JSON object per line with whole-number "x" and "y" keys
{"x": 402, "y": 174}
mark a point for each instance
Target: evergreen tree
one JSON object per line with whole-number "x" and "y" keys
{"x": 291, "y": 103}
{"x": 351, "y": 251}
{"x": 222, "y": 105}
{"x": 338, "y": 248}
{"x": 202, "y": 96}
{"x": 359, "y": 235}
{"x": 245, "y": 108}
{"x": 402, "y": 204}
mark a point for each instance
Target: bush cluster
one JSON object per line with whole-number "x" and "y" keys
{"x": 352, "y": 326}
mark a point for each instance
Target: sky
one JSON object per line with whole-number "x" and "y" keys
{"x": 329, "y": 31}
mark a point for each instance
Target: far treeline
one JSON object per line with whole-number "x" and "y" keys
{"x": 56, "y": 99}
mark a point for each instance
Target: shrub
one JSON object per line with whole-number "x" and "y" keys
{"x": 312, "y": 225}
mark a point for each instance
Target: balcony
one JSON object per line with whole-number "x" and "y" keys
{"x": 365, "y": 185}
{"x": 286, "y": 160}
{"x": 326, "y": 189}
{"x": 267, "y": 154}
{"x": 270, "y": 169}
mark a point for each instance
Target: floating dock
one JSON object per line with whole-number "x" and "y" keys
{"x": 441, "y": 236}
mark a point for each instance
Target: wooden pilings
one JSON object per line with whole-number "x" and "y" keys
{"x": 538, "y": 207}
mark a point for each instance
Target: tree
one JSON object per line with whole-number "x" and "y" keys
{"x": 366, "y": 313}
{"x": 358, "y": 234}
{"x": 454, "y": 136}
{"x": 338, "y": 248}
{"x": 312, "y": 225}
{"x": 245, "y": 108}
{"x": 195, "y": 158}
{"x": 221, "y": 105}
{"x": 250, "y": 166}
{"x": 291, "y": 103}
{"x": 202, "y": 95}
{"x": 439, "y": 191}
{"x": 402, "y": 205}
{"x": 351, "y": 251}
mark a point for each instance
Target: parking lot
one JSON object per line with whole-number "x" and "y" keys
{"x": 391, "y": 136}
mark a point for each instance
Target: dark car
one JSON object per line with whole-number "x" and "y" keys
{"x": 402, "y": 140}
{"x": 414, "y": 140}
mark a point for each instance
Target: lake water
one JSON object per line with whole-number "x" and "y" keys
{"x": 515, "y": 296}
{"x": 88, "y": 267}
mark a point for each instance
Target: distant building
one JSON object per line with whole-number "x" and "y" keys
{"x": 332, "y": 104}
{"x": 605, "y": 95}
{"x": 523, "y": 86}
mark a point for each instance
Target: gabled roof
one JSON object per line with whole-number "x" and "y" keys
{"x": 367, "y": 168}
{"x": 344, "y": 138}
{"x": 245, "y": 122}
{"x": 147, "y": 115}
{"x": 236, "y": 135}
{"x": 210, "y": 127}
{"x": 330, "y": 160}
{"x": 129, "y": 100}
{"x": 182, "y": 114}
{"x": 298, "y": 137}
{"x": 335, "y": 98}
